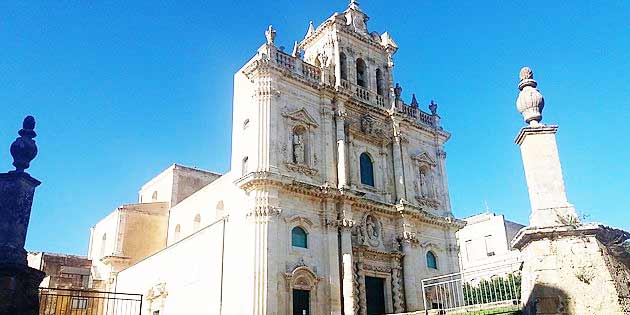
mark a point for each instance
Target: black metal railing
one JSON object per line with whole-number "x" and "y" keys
{"x": 87, "y": 302}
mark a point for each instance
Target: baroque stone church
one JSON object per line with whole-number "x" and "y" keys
{"x": 336, "y": 201}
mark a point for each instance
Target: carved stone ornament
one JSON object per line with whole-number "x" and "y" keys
{"x": 530, "y": 102}
{"x": 367, "y": 124}
{"x": 24, "y": 149}
{"x": 301, "y": 115}
{"x": 301, "y": 168}
{"x": 270, "y": 34}
{"x": 371, "y": 231}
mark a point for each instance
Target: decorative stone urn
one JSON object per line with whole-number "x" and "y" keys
{"x": 530, "y": 102}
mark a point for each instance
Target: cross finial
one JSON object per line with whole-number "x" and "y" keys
{"x": 24, "y": 149}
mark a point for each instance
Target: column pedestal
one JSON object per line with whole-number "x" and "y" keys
{"x": 574, "y": 270}
{"x": 18, "y": 282}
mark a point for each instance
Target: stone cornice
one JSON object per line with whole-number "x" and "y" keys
{"x": 257, "y": 180}
{"x": 530, "y": 130}
{"x": 607, "y": 235}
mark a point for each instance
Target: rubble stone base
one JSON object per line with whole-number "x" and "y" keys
{"x": 574, "y": 270}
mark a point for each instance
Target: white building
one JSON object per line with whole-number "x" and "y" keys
{"x": 485, "y": 242}
{"x": 337, "y": 197}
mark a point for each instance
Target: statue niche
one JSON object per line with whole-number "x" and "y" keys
{"x": 425, "y": 185}
{"x": 425, "y": 182}
{"x": 299, "y": 145}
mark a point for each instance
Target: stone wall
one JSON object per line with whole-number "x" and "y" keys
{"x": 574, "y": 274}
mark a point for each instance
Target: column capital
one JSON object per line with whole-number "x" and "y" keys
{"x": 408, "y": 238}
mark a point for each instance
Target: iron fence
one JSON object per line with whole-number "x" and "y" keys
{"x": 486, "y": 290}
{"x": 86, "y": 302}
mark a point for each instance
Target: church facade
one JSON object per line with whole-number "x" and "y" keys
{"x": 336, "y": 202}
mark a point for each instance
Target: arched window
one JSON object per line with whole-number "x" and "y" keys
{"x": 178, "y": 231}
{"x": 367, "y": 169}
{"x": 103, "y": 244}
{"x": 361, "y": 74}
{"x": 154, "y": 196}
{"x": 299, "y": 145}
{"x": 197, "y": 222}
{"x": 431, "y": 260}
{"x": 343, "y": 66}
{"x": 244, "y": 166}
{"x": 379, "y": 82}
{"x": 299, "y": 237}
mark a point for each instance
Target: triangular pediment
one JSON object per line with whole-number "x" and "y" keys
{"x": 303, "y": 116}
{"x": 424, "y": 158}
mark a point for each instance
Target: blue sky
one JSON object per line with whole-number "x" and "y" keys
{"x": 122, "y": 90}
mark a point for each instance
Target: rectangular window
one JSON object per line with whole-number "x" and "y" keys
{"x": 78, "y": 303}
{"x": 468, "y": 249}
{"x": 489, "y": 247}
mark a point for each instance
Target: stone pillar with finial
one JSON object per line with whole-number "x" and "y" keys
{"x": 18, "y": 282}
{"x": 569, "y": 267}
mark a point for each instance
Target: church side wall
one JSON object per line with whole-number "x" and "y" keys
{"x": 208, "y": 204}
{"x": 144, "y": 234}
{"x": 160, "y": 186}
{"x": 189, "y": 272}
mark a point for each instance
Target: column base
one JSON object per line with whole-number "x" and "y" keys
{"x": 19, "y": 294}
{"x": 574, "y": 270}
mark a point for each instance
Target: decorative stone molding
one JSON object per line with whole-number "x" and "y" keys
{"x": 428, "y": 202}
{"x": 156, "y": 297}
{"x": 408, "y": 237}
{"x": 301, "y": 168}
{"x": 370, "y": 232}
{"x": 423, "y": 158}
{"x": 264, "y": 211}
{"x": 299, "y": 220}
{"x": 301, "y": 115}
{"x": 302, "y": 278}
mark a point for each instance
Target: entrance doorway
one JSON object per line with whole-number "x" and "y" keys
{"x": 375, "y": 295}
{"x": 301, "y": 302}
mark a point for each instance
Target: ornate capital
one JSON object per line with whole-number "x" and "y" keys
{"x": 408, "y": 237}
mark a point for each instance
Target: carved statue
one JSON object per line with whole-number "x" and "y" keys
{"x": 298, "y": 149}
{"x": 397, "y": 91}
{"x": 426, "y": 190}
{"x": 270, "y": 34}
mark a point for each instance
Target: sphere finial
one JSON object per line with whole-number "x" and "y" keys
{"x": 24, "y": 149}
{"x": 530, "y": 102}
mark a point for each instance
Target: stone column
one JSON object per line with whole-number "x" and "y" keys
{"x": 333, "y": 259}
{"x": 399, "y": 177}
{"x": 410, "y": 260}
{"x": 349, "y": 303}
{"x": 18, "y": 282}
{"x": 541, "y": 160}
{"x": 342, "y": 172}
{"x": 569, "y": 267}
